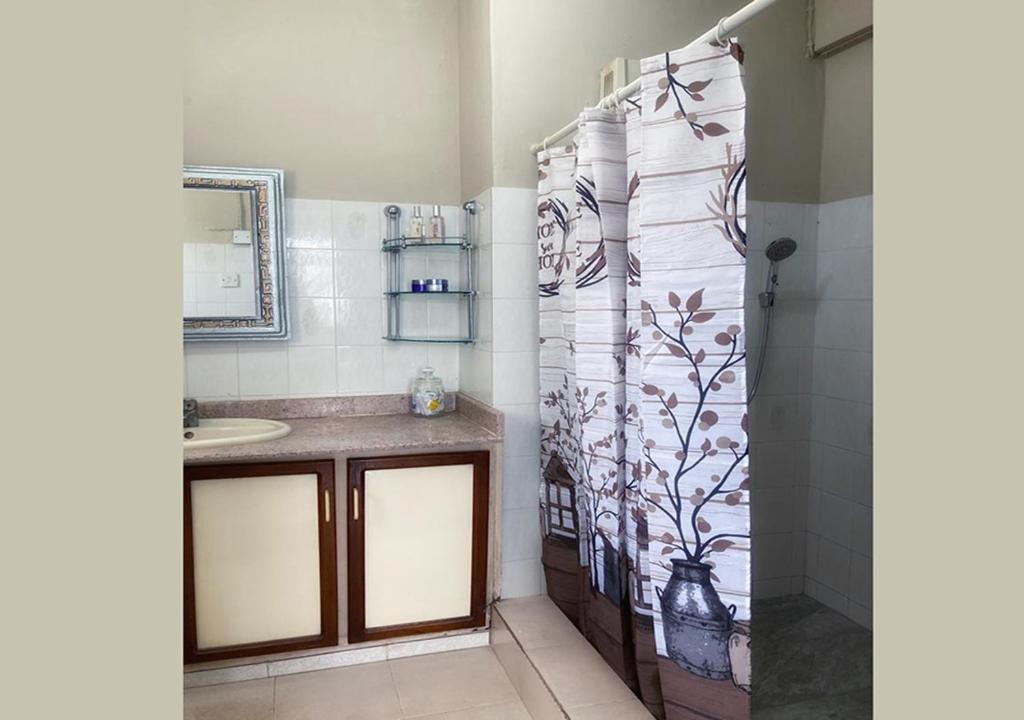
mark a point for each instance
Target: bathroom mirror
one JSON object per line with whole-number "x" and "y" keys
{"x": 233, "y": 254}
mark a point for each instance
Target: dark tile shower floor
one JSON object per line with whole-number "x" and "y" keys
{"x": 809, "y": 662}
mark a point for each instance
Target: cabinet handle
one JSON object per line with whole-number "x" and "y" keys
{"x": 355, "y": 503}
{"x": 327, "y": 505}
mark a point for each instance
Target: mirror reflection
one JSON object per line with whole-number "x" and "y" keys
{"x": 219, "y": 254}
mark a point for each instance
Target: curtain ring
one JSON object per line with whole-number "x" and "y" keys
{"x": 718, "y": 31}
{"x": 544, "y": 144}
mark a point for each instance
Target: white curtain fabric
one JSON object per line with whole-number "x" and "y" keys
{"x": 642, "y": 356}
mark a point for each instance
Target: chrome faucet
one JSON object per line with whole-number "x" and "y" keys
{"x": 190, "y": 413}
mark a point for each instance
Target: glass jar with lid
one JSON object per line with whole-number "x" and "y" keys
{"x": 427, "y": 394}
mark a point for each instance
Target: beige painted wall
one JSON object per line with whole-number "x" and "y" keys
{"x": 546, "y": 57}
{"x": 354, "y": 100}
{"x": 846, "y": 162}
{"x": 475, "y": 115}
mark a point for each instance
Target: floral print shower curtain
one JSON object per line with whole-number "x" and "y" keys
{"x": 645, "y": 497}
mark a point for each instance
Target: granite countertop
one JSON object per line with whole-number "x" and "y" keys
{"x": 339, "y": 433}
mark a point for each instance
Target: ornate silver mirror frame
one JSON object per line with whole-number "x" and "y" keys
{"x": 266, "y": 189}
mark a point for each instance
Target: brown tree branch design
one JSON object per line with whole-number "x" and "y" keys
{"x": 671, "y": 86}
{"x": 694, "y": 536}
{"x": 724, "y": 203}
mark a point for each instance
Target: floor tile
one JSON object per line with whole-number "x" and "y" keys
{"x": 361, "y": 692}
{"x": 629, "y": 710}
{"x": 504, "y": 711}
{"x": 451, "y": 681}
{"x": 809, "y": 659}
{"x": 848, "y": 706}
{"x": 250, "y": 700}
{"x": 578, "y": 676}
{"x": 537, "y": 622}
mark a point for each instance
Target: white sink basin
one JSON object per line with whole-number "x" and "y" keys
{"x": 217, "y": 432}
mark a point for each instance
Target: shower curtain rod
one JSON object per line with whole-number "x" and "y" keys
{"x": 724, "y": 27}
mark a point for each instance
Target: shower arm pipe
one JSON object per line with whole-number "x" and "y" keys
{"x": 719, "y": 32}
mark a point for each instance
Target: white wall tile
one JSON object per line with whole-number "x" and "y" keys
{"x": 263, "y": 369}
{"x": 845, "y": 224}
{"x": 360, "y": 370}
{"x": 860, "y": 584}
{"x": 358, "y": 225}
{"x": 771, "y": 587}
{"x": 402, "y": 362}
{"x": 860, "y": 529}
{"x": 445, "y": 361}
{"x": 359, "y": 321}
{"x": 521, "y": 578}
{"x": 836, "y": 519}
{"x": 311, "y": 371}
{"x": 475, "y": 368}
{"x": 833, "y": 569}
{"x": 774, "y": 464}
{"x": 212, "y": 369}
{"x": 771, "y": 509}
{"x": 832, "y": 598}
{"x": 308, "y": 223}
{"x": 845, "y": 274}
{"x": 518, "y": 271}
{"x": 515, "y": 324}
{"x": 521, "y": 480}
{"x": 310, "y": 273}
{"x": 515, "y": 378}
{"x": 843, "y": 324}
{"x": 522, "y": 428}
{"x": 843, "y": 374}
{"x": 312, "y": 321}
{"x": 520, "y": 534}
{"x": 774, "y": 555}
{"x": 357, "y": 273}
{"x": 841, "y": 423}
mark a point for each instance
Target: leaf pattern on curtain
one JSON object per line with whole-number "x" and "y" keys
{"x": 642, "y": 244}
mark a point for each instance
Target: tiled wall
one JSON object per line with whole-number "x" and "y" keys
{"x": 501, "y": 369}
{"x": 336, "y": 310}
{"x": 839, "y": 508}
{"x": 780, "y": 414}
{"x": 810, "y": 425}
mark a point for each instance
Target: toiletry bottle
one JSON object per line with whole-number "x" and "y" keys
{"x": 437, "y": 225}
{"x": 416, "y": 226}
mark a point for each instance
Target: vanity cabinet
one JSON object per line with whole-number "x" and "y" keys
{"x": 260, "y": 559}
{"x": 417, "y": 544}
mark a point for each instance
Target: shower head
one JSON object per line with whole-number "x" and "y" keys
{"x": 780, "y": 249}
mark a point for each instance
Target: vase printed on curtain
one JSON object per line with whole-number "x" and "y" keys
{"x": 643, "y": 389}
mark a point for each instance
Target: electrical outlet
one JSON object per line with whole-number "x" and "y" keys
{"x": 241, "y": 237}
{"x": 230, "y": 280}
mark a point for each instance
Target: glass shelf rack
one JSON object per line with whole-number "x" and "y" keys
{"x": 399, "y": 297}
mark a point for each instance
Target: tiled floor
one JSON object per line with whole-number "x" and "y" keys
{"x": 461, "y": 685}
{"x": 810, "y": 662}
{"x": 556, "y": 671}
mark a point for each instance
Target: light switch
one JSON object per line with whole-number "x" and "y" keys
{"x": 230, "y": 280}
{"x": 241, "y": 237}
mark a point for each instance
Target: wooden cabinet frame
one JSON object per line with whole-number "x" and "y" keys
{"x": 357, "y": 467}
{"x": 328, "y": 636}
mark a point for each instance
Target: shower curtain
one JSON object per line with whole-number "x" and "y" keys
{"x": 645, "y": 498}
